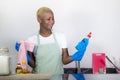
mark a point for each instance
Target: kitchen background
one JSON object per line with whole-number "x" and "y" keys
{"x": 75, "y": 18}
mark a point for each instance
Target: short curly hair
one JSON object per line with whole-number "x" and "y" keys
{"x": 41, "y": 11}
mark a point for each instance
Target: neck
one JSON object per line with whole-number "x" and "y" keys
{"x": 45, "y": 33}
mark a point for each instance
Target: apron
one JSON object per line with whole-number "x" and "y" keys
{"x": 48, "y": 58}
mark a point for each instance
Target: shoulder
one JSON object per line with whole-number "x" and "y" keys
{"x": 59, "y": 34}
{"x": 32, "y": 39}
{"x": 61, "y": 39}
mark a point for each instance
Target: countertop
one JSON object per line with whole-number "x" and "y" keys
{"x": 26, "y": 77}
{"x": 61, "y": 77}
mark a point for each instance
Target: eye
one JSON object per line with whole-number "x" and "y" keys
{"x": 53, "y": 19}
{"x": 48, "y": 19}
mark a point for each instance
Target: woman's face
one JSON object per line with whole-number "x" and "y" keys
{"x": 47, "y": 21}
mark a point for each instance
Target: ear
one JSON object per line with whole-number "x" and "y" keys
{"x": 39, "y": 19}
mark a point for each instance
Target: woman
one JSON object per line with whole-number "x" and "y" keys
{"x": 52, "y": 51}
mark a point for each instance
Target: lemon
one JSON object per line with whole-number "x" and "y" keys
{"x": 23, "y": 61}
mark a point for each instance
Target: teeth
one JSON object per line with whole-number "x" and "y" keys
{"x": 50, "y": 26}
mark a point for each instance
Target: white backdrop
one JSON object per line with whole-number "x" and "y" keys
{"x": 75, "y": 18}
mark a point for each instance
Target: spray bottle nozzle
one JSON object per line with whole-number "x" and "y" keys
{"x": 89, "y": 35}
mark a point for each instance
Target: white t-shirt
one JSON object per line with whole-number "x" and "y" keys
{"x": 60, "y": 37}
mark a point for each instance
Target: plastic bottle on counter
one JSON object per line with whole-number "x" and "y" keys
{"x": 24, "y": 64}
{"x": 19, "y": 69}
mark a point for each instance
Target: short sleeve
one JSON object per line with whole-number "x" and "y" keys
{"x": 33, "y": 39}
{"x": 61, "y": 39}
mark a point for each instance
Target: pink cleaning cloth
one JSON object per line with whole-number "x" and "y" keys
{"x": 24, "y": 47}
{"x": 29, "y": 46}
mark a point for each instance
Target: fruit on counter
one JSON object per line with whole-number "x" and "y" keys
{"x": 20, "y": 70}
{"x": 24, "y": 62}
{"x": 25, "y": 70}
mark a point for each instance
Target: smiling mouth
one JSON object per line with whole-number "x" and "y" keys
{"x": 50, "y": 26}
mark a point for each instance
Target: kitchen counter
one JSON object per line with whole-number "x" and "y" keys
{"x": 26, "y": 77}
{"x": 61, "y": 77}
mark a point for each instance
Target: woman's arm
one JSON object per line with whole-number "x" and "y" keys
{"x": 65, "y": 56}
{"x": 32, "y": 61}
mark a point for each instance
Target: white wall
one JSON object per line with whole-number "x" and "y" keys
{"x": 75, "y": 18}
